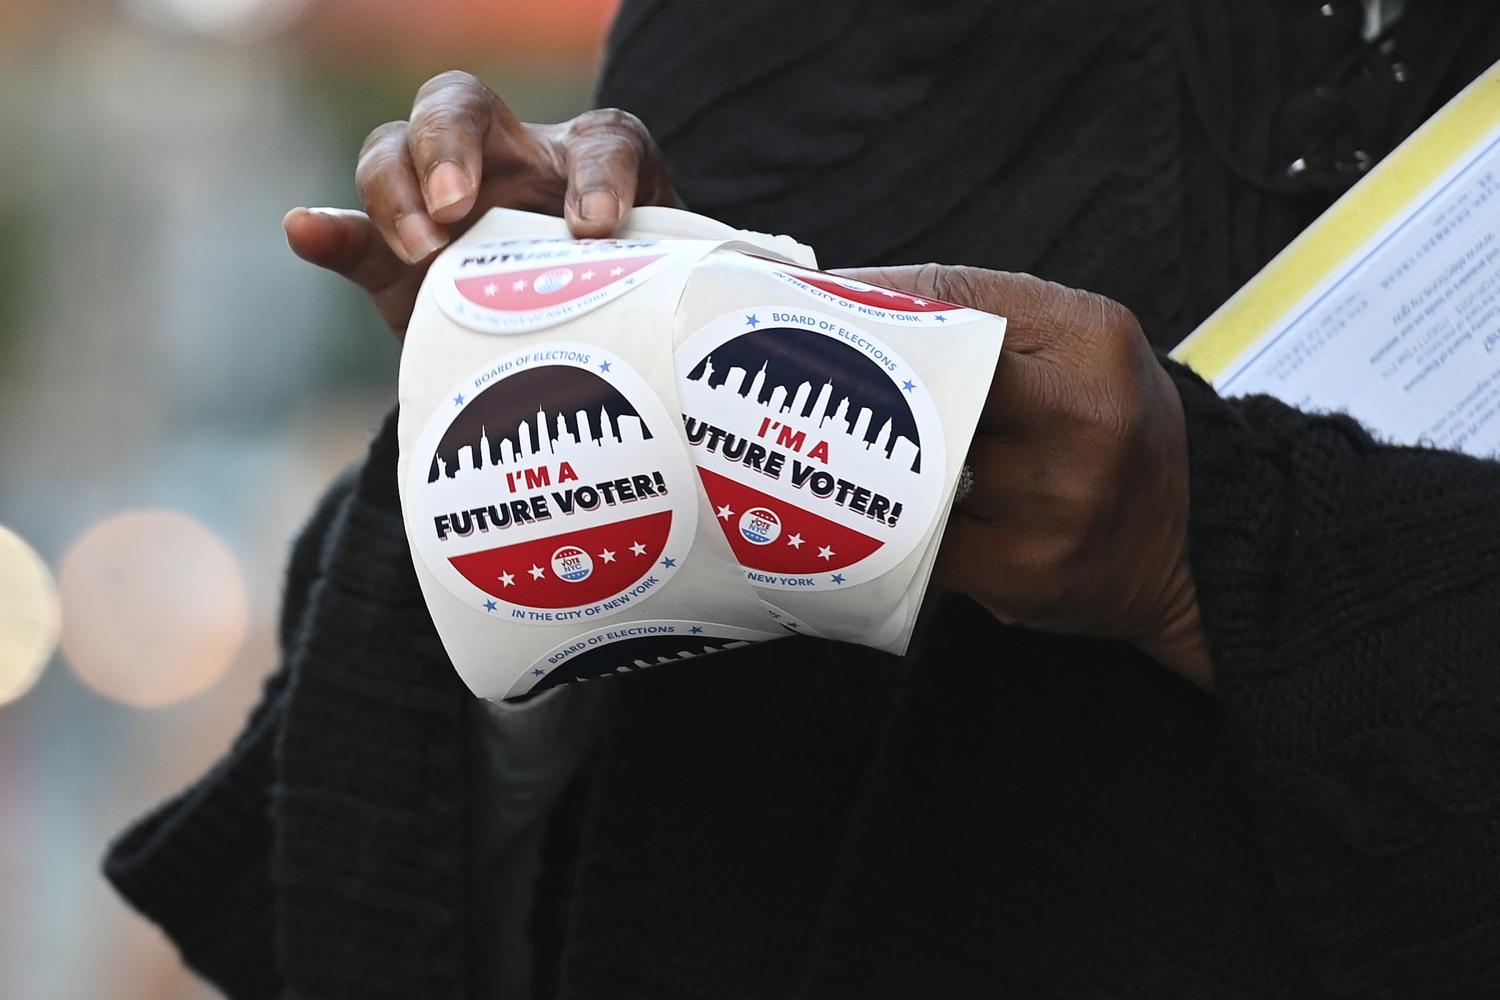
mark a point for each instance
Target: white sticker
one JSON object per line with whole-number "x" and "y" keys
{"x": 863, "y": 300}
{"x": 552, "y": 487}
{"x": 631, "y": 646}
{"x": 520, "y": 285}
{"x": 820, "y": 449}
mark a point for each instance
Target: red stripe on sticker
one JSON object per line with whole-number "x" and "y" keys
{"x": 774, "y": 536}
{"x": 571, "y": 569}
{"x": 873, "y": 295}
{"x": 542, "y": 287}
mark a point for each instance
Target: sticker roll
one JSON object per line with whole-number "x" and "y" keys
{"x": 546, "y": 482}
{"x": 616, "y": 454}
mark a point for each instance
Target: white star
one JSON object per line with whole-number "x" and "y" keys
{"x": 919, "y": 302}
{"x": 607, "y": 556}
{"x": 725, "y": 513}
{"x": 519, "y": 285}
{"x": 506, "y": 579}
{"x": 638, "y": 548}
{"x": 491, "y": 289}
{"x": 616, "y": 272}
{"x": 887, "y": 291}
{"x": 536, "y": 572}
{"x": 586, "y": 276}
{"x": 794, "y": 540}
{"x": 824, "y": 552}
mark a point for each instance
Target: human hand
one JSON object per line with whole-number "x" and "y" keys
{"x": 463, "y": 152}
{"x": 1077, "y": 519}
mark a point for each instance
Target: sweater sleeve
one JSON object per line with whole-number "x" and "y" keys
{"x": 199, "y": 865}
{"x": 1350, "y": 592}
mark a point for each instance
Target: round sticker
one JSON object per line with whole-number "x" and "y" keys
{"x": 629, "y": 647}
{"x": 516, "y": 286}
{"x": 760, "y": 526}
{"x": 863, "y": 300}
{"x": 821, "y": 452}
{"x": 551, "y": 487}
{"x": 572, "y": 564}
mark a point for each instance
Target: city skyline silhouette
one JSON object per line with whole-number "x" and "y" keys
{"x": 800, "y": 373}
{"x": 527, "y": 416}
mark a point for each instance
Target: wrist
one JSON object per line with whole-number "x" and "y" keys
{"x": 1180, "y": 643}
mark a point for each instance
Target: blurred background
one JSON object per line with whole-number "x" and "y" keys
{"x": 176, "y": 389}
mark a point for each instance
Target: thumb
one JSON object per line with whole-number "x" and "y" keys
{"x": 345, "y": 242}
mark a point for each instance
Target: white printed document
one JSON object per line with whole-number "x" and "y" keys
{"x": 1388, "y": 307}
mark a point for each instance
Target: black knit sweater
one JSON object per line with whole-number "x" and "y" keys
{"x": 1004, "y": 813}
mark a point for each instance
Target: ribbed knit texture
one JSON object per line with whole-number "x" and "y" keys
{"x": 1350, "y": 591}
{"x": 333, "y": 837}
{"x": 1004, "y": 813}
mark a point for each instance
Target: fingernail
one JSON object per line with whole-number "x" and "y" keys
{"x": 288, "y": 215}
{"x": 446, "y": 184}
{"x": 419, "y": 237}
{"x": 599, "y": 206}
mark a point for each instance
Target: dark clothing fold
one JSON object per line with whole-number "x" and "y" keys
{"x": 1002, "y": 812}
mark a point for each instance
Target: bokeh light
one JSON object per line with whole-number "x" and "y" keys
{"x": 28, "y": 616}
{"x": 158, "y": 340}
{"x": 225, "y": 20}
{"x": 154, "y": 607}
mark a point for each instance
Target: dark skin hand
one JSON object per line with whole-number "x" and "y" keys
{"x": 1077, "y": 521}
{"x": 426, "y": 180}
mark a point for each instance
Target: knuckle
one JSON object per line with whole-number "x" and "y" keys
{"x": 609, "y": 119}
{"x": 379, "y": 154}
{"x": 379, "y": 139}
{"x": 949, "y": 283}
{"x": 450, "y": 79}
{"x": 432, "y": 135}
{"x": 609, "y": 129}
{"x": 1106, "y": 324}
{"x": 451, "y": 104}
{"x": 1119, "y": 318}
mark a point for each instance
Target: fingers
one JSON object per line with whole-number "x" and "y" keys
{"x": 417, "y": 176}
{"x": 345, "y": 242}
{"x": 608, "y": 157}
{"x": 452, "y": 119}
{"x": 1030, "y": 305}
{"x": 1012, "y": 575}
{"x": 968, "y": 554}
{"x": 388, "y": 187}
{"x": 464, "y": 150}
{"x": 1011, "y": 401}
{"x": 994, "y": 466}
{"x": 1049, "y": 329}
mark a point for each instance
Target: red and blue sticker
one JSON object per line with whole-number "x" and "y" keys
{"x": 819, "y": 447}
{"x": 521, "y": 285}
{"x": 552, "y": 487}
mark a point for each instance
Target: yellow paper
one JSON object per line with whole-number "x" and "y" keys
{"x": 1387, "y": 307}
